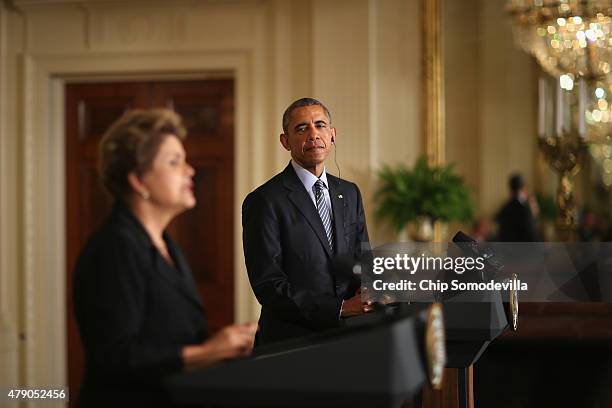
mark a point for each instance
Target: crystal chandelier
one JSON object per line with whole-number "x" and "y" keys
{"x": 566, "y": 36}
{"x": 571, "y": 40}
{"x": 598, "y": 114}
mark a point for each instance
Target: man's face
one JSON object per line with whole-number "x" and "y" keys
{"x": 309, "y": 137}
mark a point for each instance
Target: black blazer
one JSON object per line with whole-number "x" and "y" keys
{"x": 288, "y": 256}
{"x": 516, "y": 223}
{"x": 135, "y": 312}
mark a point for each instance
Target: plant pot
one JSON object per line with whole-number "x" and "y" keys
{"x": 404, "y": 235}
{"x": 422, "y": 229}
{"x": 548, "y": 230}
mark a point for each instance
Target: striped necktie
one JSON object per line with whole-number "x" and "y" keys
{"x": 324, "y": 212}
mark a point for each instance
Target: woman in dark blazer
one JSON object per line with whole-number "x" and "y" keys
{"x": 138, "y": 311}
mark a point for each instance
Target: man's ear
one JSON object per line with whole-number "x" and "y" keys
{"x": 285, "y": 141}
{"x": 333, "y": 135}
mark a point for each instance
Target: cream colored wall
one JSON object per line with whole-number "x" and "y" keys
{"x": 509, "y": 105}
{"x": 362, "y": 57}
{"x": 370, "y": 76}
{"x": 461, "y": 36}
{"x": 9, "y": 233}
{"x": 491, "y": 96}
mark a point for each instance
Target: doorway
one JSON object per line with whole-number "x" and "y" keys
{"x": 205, "y": 233}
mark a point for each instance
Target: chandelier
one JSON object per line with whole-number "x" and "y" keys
{"x": 598, "y": 115}
{"x": 572, "y": 41}
{"x": 598, "y": 112}
{"x": 566, "y": 36}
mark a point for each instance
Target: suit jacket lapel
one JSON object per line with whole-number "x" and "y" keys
{"x": 300, "y": 198}
{"x": 338, "y": 207}
{"x": 182, "y": 278}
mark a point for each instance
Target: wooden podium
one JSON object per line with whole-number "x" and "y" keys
{"x": 472, "y": 321}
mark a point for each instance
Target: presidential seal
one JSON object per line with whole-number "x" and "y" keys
{"x": 514, "y": 304}
{"x": 435, "y": 346}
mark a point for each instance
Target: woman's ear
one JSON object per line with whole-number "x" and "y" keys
{"x": 137, "y": 185}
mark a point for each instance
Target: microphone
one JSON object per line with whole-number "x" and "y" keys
{"x": 473, "y": 248}
{"x": 460, "y": 236}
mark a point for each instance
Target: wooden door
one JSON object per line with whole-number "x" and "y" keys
{"x": 205, "y": 233}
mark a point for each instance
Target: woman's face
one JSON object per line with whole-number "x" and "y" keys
{"x": 169, "y": 178}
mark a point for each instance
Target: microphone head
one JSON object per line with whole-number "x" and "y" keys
{"x": 469, "y": 246}
{"x": 460, "y": 236}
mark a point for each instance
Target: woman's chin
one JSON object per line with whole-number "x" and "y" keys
{"x": 180, "y": 207}
{"x": 189, "y": 204}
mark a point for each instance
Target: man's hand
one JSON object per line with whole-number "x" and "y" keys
{"x": 354, "y": 306}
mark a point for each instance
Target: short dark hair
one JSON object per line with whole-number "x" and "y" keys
{"x": 131, "y": 144}
{"x": 299, "y": 104}
{"x": 516, "y": 182}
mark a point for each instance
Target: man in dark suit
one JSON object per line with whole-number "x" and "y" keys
{"x": 516, "y": 219}
{"x": 293, "y": 226}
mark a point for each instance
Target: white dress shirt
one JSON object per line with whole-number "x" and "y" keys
{"x": 308, "y": 180}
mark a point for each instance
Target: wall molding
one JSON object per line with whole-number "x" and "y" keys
{"x": 44, "y": 238}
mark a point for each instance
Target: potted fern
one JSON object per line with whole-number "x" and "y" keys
{"x": 422, "y": 195}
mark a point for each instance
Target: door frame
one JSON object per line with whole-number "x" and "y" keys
{"x": 44, "y": 356}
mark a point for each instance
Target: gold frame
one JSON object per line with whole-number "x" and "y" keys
{"x": 433, "y": 92}
{"x": 433, "y": 73}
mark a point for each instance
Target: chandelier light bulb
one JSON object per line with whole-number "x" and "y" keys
{"x": 566, "y": 82}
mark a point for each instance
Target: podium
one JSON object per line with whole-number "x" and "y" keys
{"x": 472, "y": 319}
{"x": 471, "y": 322}
{"x": 471, "y": 325}
{"x": 379, "y": 363}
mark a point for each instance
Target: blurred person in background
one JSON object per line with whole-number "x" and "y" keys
{"x": 517, "y": 218}
{"x": 589, "y": 227}
{"x": 481, "y": 230}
